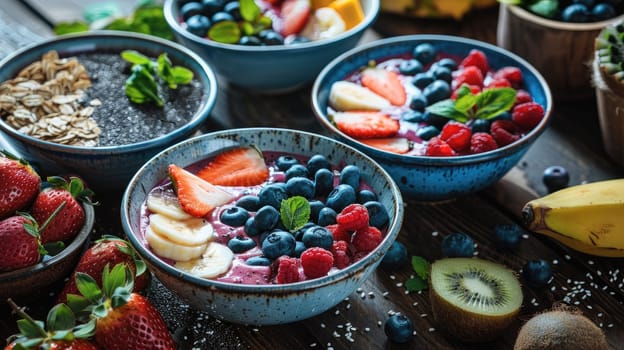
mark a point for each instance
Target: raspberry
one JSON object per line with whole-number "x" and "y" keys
{"x": 457, "y": 135}
{"x": 339, "y": 246}
{"x": 477, "y": 59}
{"x": 475, "y": 89}
{"x": 512, "y": 74}
{"x": 482, "y": 142}
{"x": 504, "y": 132}
{"x": 366, "y": 239}
{"x": 341, "y": 257}
{"x": 353, "y": 217}
{"x": 522, "y": 96}
{"x": 316, "y": 262}
{"x": 439, "y": 148}
{"x": 468, "y": 75}
{"x": 527, "y": 115}
{"x": 287, "y": 270}
{"x": 498, "y": 83}
{"x": 339, "y": 233}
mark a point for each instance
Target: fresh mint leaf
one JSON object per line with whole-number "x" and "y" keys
{"x": 164, "y": 70}
{"x": 135, "y": 57}
{"x": 295, "y": 212}
{"x": 446, "y": 108}
{"x": 492, "y": 102}
{"x": 416, "y": 284}
{"x": 465, "y": 103}
{"x": 71, "y": 27}
{"x": 181, "y": 75}
{"x": 226, "y": 32}
{"x": 545, "y": 8}
{"x": 420, "y": 266}
{"x": 249, "y": 10}
{"x": 141, "y": 86}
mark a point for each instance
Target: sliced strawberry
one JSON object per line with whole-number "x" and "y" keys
{"x": 398, "y": 145}
{"x": 439, "y": 148}
{"x": 243, "y": 166}
{"x": 469, "y": 75}
{"x": 295, "y": 14}
{"x": 457, "y": 135}
{"x": 477, "y": 59}
{"x": 366, "y": 125}
{"x": 385, "y": 83}
{"x": 196, "y": 196}
{"x": 511, "y": 74}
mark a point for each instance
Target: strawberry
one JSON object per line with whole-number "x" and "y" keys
{"x": 385, "y": 83}
{"x": 398, "y": 145}
{"x": 295, "y": 14}
{"x": 243, "y": 166}
{"x": 439, "y": 148}
{"x": 527, "y": 115}
{"x": 109, "y": 250}
{"x": 19, "y": 242}
{"x": 504, "y": 132}
{"x": 70, "y": 219}
{"x": 482, "y": 142}
{"x": 476, "y": 58}
{"x": 124, "y": 320}
{"x": 512, "y": 74}
{"x": 469, "y": 75}
{"x": 196, "y": 196}
{"x": 20, "y": 184}
{"x": 366, "y": 125}
{"x": 457, "y": 135}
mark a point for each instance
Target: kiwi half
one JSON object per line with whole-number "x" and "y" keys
{"x": 472, "y": 299}
{"x": 609, "y": 47}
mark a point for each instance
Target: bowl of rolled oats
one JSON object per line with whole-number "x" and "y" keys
{"x": 102, "y": 103}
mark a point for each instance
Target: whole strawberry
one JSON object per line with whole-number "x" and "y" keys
{"x": 19, "y": 242}
{"x": 69, "y": 221}
{"x": 19, "y": 184}
{"x": 109, "y": 250}
{"x": 124, "y": 320}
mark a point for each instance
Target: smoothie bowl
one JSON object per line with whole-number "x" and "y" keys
{"x": 445, "y": 116}
{"x": 262, "y": 226}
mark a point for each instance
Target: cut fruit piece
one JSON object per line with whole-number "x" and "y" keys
{"x": 170, "y": 250}
{"x": 366, "y": 125}
{"x": 243, "y": 166}
{"x": 472, "y": 299}
{"x": 398, "y": 145}
{"x": 385, "y": 83}
{"x": 295, "y": 14}
{"x": 190, "y": 232}
{"x": 215, "y": 261}
{"x": 350, "y": 10}
{"x": 348, "y": 96}
{"x": 166, "y": 204}
{"x": 195, "y": 195}
{"x": 324, "y": 24}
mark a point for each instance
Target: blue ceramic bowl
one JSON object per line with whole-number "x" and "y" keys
{"x": 260, "y": 304}
{"x": 435, "y": 178}
{"x": 269, "y": 69}
{"x": 111, "y": 167}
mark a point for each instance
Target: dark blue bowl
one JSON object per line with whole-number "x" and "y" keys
{"x": 435, "y": 178}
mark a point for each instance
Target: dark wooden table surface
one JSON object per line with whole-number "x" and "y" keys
{"x": 573, "y": 140}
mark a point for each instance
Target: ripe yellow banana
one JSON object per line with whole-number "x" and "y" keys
{"x": 438, "y": 8}
{"x": 588, "y": 218}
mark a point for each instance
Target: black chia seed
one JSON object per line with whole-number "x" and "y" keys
{"x": 124, "y": 122}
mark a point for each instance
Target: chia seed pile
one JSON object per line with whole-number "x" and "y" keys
{"x": 124, "y": 122}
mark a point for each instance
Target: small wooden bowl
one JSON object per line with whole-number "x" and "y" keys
{"x": 610, "y": 115}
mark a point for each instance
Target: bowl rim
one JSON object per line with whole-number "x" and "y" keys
{"x": 195, "y": 121}
{"x": 430, "y": 160}
{"x": 528, "y": 16}
{"x": 174, "y": 24}
{"x": 79, "y": 241}
{"x": 354, "y": 269}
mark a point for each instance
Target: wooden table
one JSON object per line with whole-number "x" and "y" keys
{"x": 573, "y": 140}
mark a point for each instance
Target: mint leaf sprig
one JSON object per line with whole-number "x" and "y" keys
{"x": 253, "y": 22}
{"x": 487, "y": 104}
{"x": 420, "y": 281}
{"x": 295, "y": 212}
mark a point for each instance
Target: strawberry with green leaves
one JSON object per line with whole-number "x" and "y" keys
{"x": 20, "y": 184}
{"x": 124, "y": 320}
{"x": 70, "y": 220}
{"x": 59, "y": 332}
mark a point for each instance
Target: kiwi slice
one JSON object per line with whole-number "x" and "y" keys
{"x": 609, "y": 47}
{"x": 472, "y": 299}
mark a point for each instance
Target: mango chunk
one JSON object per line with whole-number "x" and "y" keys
{"x": 317, "y": 4}
{"x": 350, "y": 10}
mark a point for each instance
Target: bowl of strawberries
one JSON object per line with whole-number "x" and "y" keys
{"x": 44, "y": 226}
{"x": 445, "y": 116}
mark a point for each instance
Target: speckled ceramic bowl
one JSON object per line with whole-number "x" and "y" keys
{"x": 34, "y": 279}
{"x": 435, "y": 178}
{"x": 260, "y": 304}
{"x": 110, "y": 167}
{"x": 270, "y": 69}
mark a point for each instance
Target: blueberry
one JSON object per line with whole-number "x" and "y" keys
{"x": 272, "y": 195}
{"x": 399, "y": 328}
{"x": 457, "y": 245}
{"x": 437, "y": 91}
{"x": 198, "y": 25}
{"x": 278, "y": 243}
{"x": 318, "y": 236}
{"x": 234, "y": 216}
{"x": 377, "y": 214}
{"x": 418, "y": 103}
{"x": 296, "y": 170}
{"x": 507, "y": 236}
{"x": 536, "y": 273}
{"x": 240, "y": 244}
{"x": 434, "y": 119}
{"x": 587, "y": 3}
{"x": 577, "y": 13}
{"x": 284, "y": 162}
{"x": 191, "y": 9}
{"x": 271, "y": 37}
{"x": 395, "y": 258}
{"x": 413, "y": 116}
{"x": 299, "y": 233}
{"x": 221, "y": 17}
{"x": 316, "y": 162}
{"x": 267, "y": 218}
{"x": 233, "y": 8}
{"x": 249, "y": 202}
{"x": 299, "y": 248}
{"x": 315, "y": 209}
{"x": 300, "y": 186}
{"x": 249, "y": 40}
{"x": 364, "y": 196}
{"x": 425, "y": 53}
{"x": 442, "y": 73}
{"x": 323, "y": 182}
{"x": 251, "y": 229}
{"x": 427, "y": 132}
{"x": 258, "y": 261}
{"x": 603, "y": 11}
{"x": 448, "y": 63}
{"x": 556, "y": 178}
{"x": 341, "y": 196}
{"x": 210, "y": 7}
{"x": 421, "y": 80}
{"x": 410, "y": 67}
{"x": 350, "y": 175}
{"x": 326, "y": 217}
{"x": 480, "y": 125}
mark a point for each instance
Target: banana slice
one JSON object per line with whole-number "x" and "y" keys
{"x": 189, "y": 232}
{"x": 167, "y": 249}
{"x": 326, "y": 23}
{"x": 166, "y": 204}
{"x": 346, "y": 96}
{"x": 215, "y": 261}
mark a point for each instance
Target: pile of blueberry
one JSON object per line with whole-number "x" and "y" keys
{"x": 577, "y": 11}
